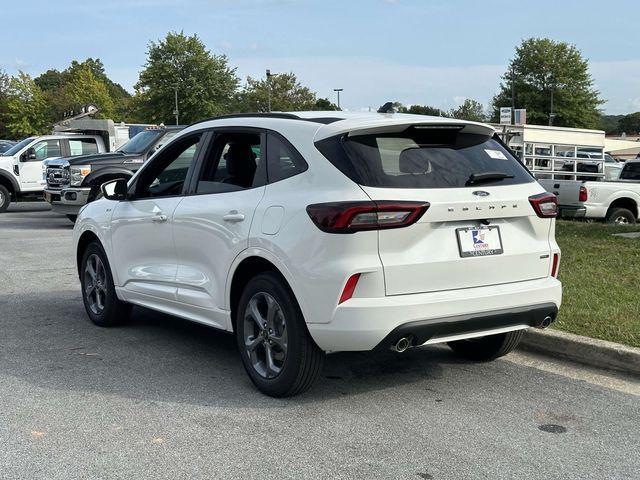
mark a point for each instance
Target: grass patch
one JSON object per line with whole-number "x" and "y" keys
{"x": 600, "y": 274}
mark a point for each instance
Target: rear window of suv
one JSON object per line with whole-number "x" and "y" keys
{"x": 424, "y": 158}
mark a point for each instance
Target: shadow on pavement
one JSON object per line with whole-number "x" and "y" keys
{"x": 156, "y": 357}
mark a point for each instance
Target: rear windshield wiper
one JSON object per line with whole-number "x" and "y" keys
{"x": 476, "y": 178}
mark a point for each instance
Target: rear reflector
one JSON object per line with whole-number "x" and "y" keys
{"x": 350, "y": 217}
{"x": 545, "y": 205}
{"x": 583, "y": 195}
{"x": 556, "y": 263}
{"x": 349, "y": 288}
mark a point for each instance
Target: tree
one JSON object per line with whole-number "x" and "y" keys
{"x": 82, "y": 83}
{"x": 4, "y": 96}
{"x": 325, "y": 104}
{"x": 204, "y": 82}
{"x": 424, "y": 110}
{"x": 629, "y": 124}
{"x": 82, "y": 88}
{"x": 541, "y": 67}
{"x": 469, "y": 110}
{"x": 27, "y": 110}
{"x": 286, "y": 93}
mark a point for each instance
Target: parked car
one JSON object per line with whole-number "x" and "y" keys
{"x": 318, "y": 232}
{"x": 615, "y": 202}
{"x": 6, "y": 145}
{"x": 21, "y": 166}
{"x": 72, "y": 182}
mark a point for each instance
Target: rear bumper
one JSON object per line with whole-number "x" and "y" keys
{"x": 68, "y": 200}
{"x": 572, "y": 211}
{"x": 365, "y": 323}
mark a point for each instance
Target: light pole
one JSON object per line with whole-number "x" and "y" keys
{"x": 338, "y": 90}
{"x": 175, "y": 110}
{"x": 551, "y": 114}
{"x": 269, "y": 88}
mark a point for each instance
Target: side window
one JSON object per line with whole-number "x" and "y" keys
{"x": 235, "y": 161}
{"x": 47, "y": 149}
{"x": 166, "y": 174}
{"x": 83, "y": 146}
{"x": 283, "y": 160}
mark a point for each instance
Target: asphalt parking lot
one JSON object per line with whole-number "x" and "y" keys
{"x": 163, "y": 398}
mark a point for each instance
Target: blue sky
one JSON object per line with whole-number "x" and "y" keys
{"x": 434, "y": 52}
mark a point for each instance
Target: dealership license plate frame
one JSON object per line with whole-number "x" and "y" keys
{"x": 481, "y": 252}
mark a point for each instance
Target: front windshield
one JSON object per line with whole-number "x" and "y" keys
{"x": 140, "y": 142}
{"x": 18, "y": 146}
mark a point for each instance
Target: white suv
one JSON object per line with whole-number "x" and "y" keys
{"x": 320, "y": 232}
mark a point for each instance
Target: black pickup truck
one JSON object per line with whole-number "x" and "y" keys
{"x": 72, "y": 182}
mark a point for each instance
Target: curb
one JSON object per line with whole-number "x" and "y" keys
{"x": 585, "y": 350}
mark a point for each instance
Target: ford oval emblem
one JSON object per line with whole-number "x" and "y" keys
{"x": 481, "y": 193}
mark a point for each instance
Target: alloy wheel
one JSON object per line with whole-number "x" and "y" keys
{"x": 95, "y": 284}
{"x": 621, "y": 220}
{"x": 265, "y": 335}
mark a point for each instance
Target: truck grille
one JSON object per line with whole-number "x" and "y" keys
{"x": 57, "y": 177}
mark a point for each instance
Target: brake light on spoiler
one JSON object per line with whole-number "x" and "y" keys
{"x": 545, "y": 205}
{"x": 351, "y": 217}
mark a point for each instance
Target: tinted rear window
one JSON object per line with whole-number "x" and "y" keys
{"x": 422, "y": 158}
{"x": 631, "y": 171}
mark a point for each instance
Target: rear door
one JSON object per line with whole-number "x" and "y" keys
{"x": 480, "y": 228}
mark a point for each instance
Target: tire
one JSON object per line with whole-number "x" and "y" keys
{"x": 621, "y": 216}
{"x": 72, "y": 218}
{"x": 487, "y": 348}
{"x": 5, "y": 198}
{"x": 99, "y": 296}
{"x": 296, "y": 360}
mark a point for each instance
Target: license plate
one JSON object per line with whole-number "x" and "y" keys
{"x": 479, "y": 241}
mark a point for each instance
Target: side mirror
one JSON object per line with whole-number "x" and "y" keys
{"x": 30, "y": 154}
{"x": 115, "y": 189}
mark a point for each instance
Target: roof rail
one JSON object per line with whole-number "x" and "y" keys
{"x": 289, "y": 116}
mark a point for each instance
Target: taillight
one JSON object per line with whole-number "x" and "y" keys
{"x": 583, "y": 195}
{"x": 545, "y": 205}
{"x": 350, "y": 217}
{"x": 554, "y": 266}
{"x": 349, "y": 288}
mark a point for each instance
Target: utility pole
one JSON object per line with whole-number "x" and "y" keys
{"x": 513, "y": 96}
{"x": 338, "y": 90}
{"x": 175, "y": 110}
{"x": 269, "y": 88}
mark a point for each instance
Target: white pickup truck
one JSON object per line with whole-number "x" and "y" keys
{"x": 21, "y": 176}
{"x": 617, "y": 202}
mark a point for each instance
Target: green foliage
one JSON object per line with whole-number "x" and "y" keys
{"x": 424, "y": 110}
{"x": 324, "y": 104}
{"x": 82, "y": 83}
{"x": 469, "y": 110}
{"x": 541, "y": 66}
{"x": 610, "y": 123}
{"x": 630, "y": 124}
{"x": 4, "y": 92}
{"x": 205, "y": 82}
{"x": 286, "y": 95}
{"x": 27, "y": 112}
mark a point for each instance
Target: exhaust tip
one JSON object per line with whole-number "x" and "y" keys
{"x": 546, "y": 322}
{"x": 401, "y": 345}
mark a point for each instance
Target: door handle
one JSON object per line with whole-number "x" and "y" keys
{"x": 233, "y": 216}
{"x": 160, "y": 217}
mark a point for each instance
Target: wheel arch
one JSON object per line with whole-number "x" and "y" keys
{"x": 10, "y": 183}
{"x": 246, "y": 266}
{"x": 624, "y": 202}
{"x": 84, "y": 240}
